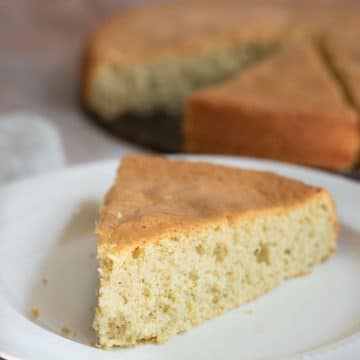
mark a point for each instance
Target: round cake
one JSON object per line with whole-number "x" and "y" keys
{"x": 144, "y": 65}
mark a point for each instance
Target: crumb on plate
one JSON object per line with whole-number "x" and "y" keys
{"x": 34, "y": 314}
{"x": 304, "y": 272}
{"x": 65, "y": 331}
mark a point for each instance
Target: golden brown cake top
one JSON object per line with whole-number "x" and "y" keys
{"x": 161, "y": 30}
{"x": 343, "y": 47}
{"x": 155, "y": 197}
{"x": 294, "y": 79}
{"x": 323, "y": 16}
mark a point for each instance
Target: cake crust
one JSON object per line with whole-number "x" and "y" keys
{"x": 177, "y": 197}
{"x": 129, "y": 37}
{"x": 288, "y": 108}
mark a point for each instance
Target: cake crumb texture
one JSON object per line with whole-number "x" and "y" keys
{"x": 226, "y": 237}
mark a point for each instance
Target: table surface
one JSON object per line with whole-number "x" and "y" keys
{"x": 41, "y": 47}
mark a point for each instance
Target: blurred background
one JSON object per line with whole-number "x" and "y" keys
{"x": 41, "y": 50}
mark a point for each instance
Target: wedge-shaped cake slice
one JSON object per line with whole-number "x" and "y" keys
{"x": 289, "y": 108}
{"x": 182, "y": 242}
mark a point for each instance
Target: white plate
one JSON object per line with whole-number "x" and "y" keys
{"x": 46, "y": 232}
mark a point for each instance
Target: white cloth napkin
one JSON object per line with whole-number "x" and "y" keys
{"x": 29, "y": 144}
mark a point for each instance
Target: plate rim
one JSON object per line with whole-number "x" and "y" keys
{"x": 196, "y": 157}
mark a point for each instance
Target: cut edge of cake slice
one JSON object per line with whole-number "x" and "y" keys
{"x": 181, "y": 243}
{"x": 288, "y": 107}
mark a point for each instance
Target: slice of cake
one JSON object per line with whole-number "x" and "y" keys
{"x": 143, "y": 63}
{"x": 182, "y": 242}
{"x": 288, "y": 107}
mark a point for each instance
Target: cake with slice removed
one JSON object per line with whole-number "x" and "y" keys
{"x": 135, "y": 67}
{"x": 183, "y": 242}
{"x": 137, "y": 76}
{"x": 289, "y": 107}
